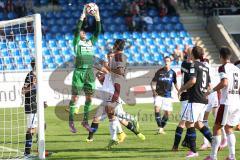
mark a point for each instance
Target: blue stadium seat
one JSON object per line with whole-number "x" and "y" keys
{"x": 117, "y": 35}
{"x": 173, "y": 34}
{"x": 149, "y": 42}
{"x": 57, "y": 14}
{"x": 69, "y": 36}
{"x": 60, "y": 21}
{"x": 27, "y": 59}
{"x": 11, "y": 15}
{"x": 44, "y": 44}
{"x": 22, "y": 44}
{"x": 162, "y": 49}
{"x": 30, "y": 37}
{"x": 145, "y": 35}
{"x": 4, "y": 53}
{"x": 158, "y": 41}
{"x": 62, "y": 43}
{"x": 49, "y": 15}
{"x": 136, "y": 35}
{"x": 139, "y": 42}
{"x": 49, "y": 36}
{"x": 166, "y": 19}
{"x": 153, "y": 12}
{"x": 168, "y": 41}
{"x": 58, "y": 59}
{"x": 3, "y": 46}
{"x": 71, "y": 22}
{"x": 64, "y": 29}
{"x": 68, "y": 14}
{"x": 179, "y": 27}
{"x": 156, "y": 20}
{"x": 51, "y": 22}
{"x": 183, "y": 34}
{"x": 25, "y": 52}
{"x": 150, "y": 27}
{"x": 52, "y": 44}
{"x": 31, "y": 45}
{"x": 155, "y": 34}
{"x": 104, "y": 13}
{"x": 46, "y": 52}
{"x": 43, "y": 2}
{"x": 66, "y": 52}
{"x": 178, "y": 41}
{"x": 15, "y": 52}
{"x": 188, "y": 40}
{"x": 2, "y": 16}
{"x": 11, "y": 45}
{"x": 55, "y": 52}
{"x": 164, "y": 34}
{"x": 19, "y": 60}
{"x": 21, "y": 67}
{"x": 159, "y": 27}
{"x": 54, "y": 29}
{"x": 175, "y": 19}
{"x": 10, "y": 67}
{"x": 169, "y": 27}
{"x": 51, "y": 66}
{"x": 107, "y": 35}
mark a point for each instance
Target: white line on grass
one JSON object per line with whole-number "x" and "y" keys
{"x": 9, "y": 149}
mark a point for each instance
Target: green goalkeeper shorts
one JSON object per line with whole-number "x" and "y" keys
{"x": 83, "y": 79}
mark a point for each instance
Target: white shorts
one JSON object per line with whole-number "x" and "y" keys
{"x": 101, "y": 111}
{"x": 212, "y": 101}
{"x": 194, "y": 112}
{"x": 32, "y": 120}
{"x": 183, "y": 107}
{"x": 164, "y": 103}
{"x": 228, "y": 114}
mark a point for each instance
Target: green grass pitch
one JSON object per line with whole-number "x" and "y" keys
{"x": 66, "y": 145}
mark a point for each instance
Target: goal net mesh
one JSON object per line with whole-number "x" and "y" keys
{"x": 17, "y": 50}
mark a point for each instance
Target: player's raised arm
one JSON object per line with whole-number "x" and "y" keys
{"x": 98, "y": 26}
{"x": 80, "y": 22}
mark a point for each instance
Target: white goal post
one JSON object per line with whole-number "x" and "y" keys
{"x": 35, "y": 20}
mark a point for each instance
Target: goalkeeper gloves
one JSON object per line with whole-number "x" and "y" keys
{"x": 97, "y": 15}
{"x": 83, "y": 15}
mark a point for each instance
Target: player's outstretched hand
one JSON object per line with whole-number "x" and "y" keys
{"x": 97, "y": 14}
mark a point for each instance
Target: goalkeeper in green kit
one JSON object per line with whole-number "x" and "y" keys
{"x": 83, "y": 77}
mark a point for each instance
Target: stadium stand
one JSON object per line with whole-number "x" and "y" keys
{"x": 145, "y": 48}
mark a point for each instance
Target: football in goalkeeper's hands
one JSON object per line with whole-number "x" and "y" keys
{"x": 91, "y": 9}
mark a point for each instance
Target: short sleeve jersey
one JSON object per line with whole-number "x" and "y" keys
{"x": 198, "y": 92}
{"x": 185, "y": 68}
{"x": 230, "y": 93}
{"x": 30, "y": 97}
{"x": 164, "y": 80}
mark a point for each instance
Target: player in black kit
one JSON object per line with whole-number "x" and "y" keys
{"x": 197, "y": 86}
{"x": 185, "y": 68}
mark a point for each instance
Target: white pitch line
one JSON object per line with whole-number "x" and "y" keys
{"x": 9, "y": 149}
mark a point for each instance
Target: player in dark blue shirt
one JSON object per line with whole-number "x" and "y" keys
{"x": 185, "y": 69}
{"x": 161, "y": 86}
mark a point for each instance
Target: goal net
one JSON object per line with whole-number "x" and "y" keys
{"x": 21, "y": 44}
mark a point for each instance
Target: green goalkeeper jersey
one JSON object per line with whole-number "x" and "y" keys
{"x": 84, "y": 49}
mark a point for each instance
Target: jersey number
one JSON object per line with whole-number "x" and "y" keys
{"x": 204, "y": 79}
{"x": 235, "y": 81}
